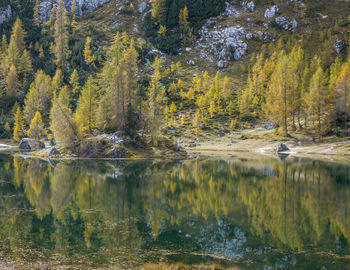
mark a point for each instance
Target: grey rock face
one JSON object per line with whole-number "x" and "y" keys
{"x": 271, "y": 12}
{"x": 282, "y": 148}
{"x": 285, "y": 24}
{"x": 221, "y": 64}
{"x": 142, "y": 7}
{"x": 27, "y": 145}
{"x": 83, "y": 6}
{"x": 5, "y": 14}
{"x": 248, "y": 6}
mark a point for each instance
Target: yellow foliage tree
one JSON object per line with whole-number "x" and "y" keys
{"x": 37, "y": 129}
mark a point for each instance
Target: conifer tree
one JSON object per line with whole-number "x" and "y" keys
{"x": 159, "y": 11}
{"x": 19, "y": 35}
{"x": 74, "y": 13}
{"x": 316, "y": 99}
{"x": 12, "y": 82}
{"x": 62, "y": 124}
{"x": 61, "y": 49}
{"x": 343, "y": 87}
{"x": 32, "y": 104}
{"x": 4, "y": 44}
{"x": 26, "y": 66}
{"x": 74, "y": 83}
{"x": 13, "y": 54}
{"x": 36, "y": 13}
{"x": 89, "y": 57}
{"x": 37, "y": 129}
{"x": 19, "y": 128}
{"x": 57, "y": 81}
{"x": 277, "y": 102}
{"x": 85, "y": 115}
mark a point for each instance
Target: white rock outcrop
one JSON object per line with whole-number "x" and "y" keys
{"x": 248, "y": 6}
{"x": 83, "y": 6}
{"x": 285, "y": 24}
{"x": 271, "y": 12}
{"x": 5, "y": 14}
{"x": 223, "y": 43}
{"x": 142, "y": 7}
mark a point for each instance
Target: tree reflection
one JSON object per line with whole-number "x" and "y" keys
{"x": 113, "y": 212}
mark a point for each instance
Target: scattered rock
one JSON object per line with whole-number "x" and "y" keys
{"x": 83, "y": 6}
{"x": 28, "y": 145}
{"x": 339, "y": 45}
{"x": 248, "y": 6}
{"x": 142, "y": 7}
{"x": 271, "y": 12}
{"x": 179, "y": 149}
{"x": 190, "y": 62}
{"x": 221, "y": 64}
{"x": 116, "y": 152}
{"x": 231, "y": 10}
{"x": 53, "y": 152}
{"x": 5, "y": 14}
{"x": 282, "y": 148}
{"x": 285, "y": 24}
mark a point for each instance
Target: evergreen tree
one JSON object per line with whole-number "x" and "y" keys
{"x": 26, "y": 66}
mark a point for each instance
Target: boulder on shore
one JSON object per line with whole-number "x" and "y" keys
{"x": 28, "y": 145}
{"x": 282, "y": 148}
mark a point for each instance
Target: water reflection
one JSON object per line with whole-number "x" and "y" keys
{"x": 251, "y": 213}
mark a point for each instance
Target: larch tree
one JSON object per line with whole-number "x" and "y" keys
{"x": 19, "y": 35}
{"x": 13, "y": 54}
{"x": 74, "y": 10}
{"x": 12, "y": 82}
{"x": 36, "y": 13}
{"x": 37, "y": 129}
{"x": 85, "y": 115}
{"x": 32, "y": 104}
{"x": 62, "y": 124}
{"x": 26, "y": 66}
{"x": 19, "y": 128}
{"x": 74, "y": 83}
{"x": 61, "y": 48}
{"x": 343, "y": 87}
{"x": 277, "y": 103}
{"x": 159, "y": 11}
{"x": 42, "y": 84}
{"x": 88, "y": 55}
{"x": 155, "y": 99}
{"x": 316, "y": 99}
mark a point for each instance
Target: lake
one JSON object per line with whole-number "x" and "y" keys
{"x": 249, "y": 213}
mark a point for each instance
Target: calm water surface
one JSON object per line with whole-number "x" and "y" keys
{"x": 249, "y": 213}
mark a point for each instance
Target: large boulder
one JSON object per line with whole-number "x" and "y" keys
{"x": 28, "y": 145}
{"x": 282, "y": 148}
